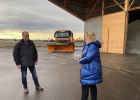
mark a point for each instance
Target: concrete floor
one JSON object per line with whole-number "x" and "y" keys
{"x": 59, "y": 75}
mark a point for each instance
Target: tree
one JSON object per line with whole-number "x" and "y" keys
{"x": 51, "y": 40}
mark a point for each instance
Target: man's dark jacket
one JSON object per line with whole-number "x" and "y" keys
{"x": 25, "y": 54}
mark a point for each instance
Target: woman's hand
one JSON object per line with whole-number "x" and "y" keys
{"x": 79, "y": 61}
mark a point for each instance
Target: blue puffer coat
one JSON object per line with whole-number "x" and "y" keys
{"x": 91, "y": 70}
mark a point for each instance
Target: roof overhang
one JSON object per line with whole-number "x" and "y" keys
{"x": 88, "y": 9}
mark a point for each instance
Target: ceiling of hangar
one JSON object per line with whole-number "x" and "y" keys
{"x": 75, "y": 7}
{"x": 87, "y": 9}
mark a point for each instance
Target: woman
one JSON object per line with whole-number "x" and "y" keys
{"x": 91, "y": 70}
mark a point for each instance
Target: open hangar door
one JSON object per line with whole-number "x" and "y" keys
{"x": 114, "y": 17}
{"x": 133, "y": 37}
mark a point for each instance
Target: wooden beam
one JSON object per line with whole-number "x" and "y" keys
{"x": 105, "y": 7}
{"x": 118, "y": 5}
{"x": 92, "y": 9}
{"x": 135, "y": 8}
{"x": 97, "y": 3}
{"x": 75, "y": 3}
{"x": 131, "y": 3}
{"x": 100, "y": 2}
{"x": 126, "y": 24}
{"x": 134, "y": 12}
{"x": 81, "y": 5}
{"x": 65, "y": 1}
{"x": 126, "y": 5}
{"x": 82, "y": 1}
{"x": 94, "y": 17}
{"x": 86, "y": 12}
{"x": 108, "y": 40}
{"x": 75, "y": 11}
{"x": 89, "y": 2}
{"x": 67, "y": 10}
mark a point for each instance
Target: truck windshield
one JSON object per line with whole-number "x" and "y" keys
{"x": 62, "y": 35}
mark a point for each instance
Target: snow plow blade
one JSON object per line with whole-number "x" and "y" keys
{"x": 60, "y": 47}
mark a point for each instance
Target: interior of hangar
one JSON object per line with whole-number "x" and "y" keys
{"x": 133, "y": 39}
{"x": 115, "y": 22}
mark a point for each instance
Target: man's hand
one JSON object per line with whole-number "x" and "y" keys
{"x": 19, "y": 66}
{"x": 35, "y": 63}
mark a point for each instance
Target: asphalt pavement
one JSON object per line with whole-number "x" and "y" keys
{"x": 59, "y": 75}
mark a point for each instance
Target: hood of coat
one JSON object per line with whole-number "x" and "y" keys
{"x": 96, "y": 43}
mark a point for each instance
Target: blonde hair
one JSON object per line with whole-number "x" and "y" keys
{"x": 90, "y": 37}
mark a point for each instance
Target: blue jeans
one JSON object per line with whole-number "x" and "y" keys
{"x": 24, "y": 74}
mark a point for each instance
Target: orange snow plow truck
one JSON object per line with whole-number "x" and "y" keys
{"x": 64, "y": 42}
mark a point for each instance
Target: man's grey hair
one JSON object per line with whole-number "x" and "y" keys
{"x": 24, "y": 32}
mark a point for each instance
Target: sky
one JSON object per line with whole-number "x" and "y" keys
{"x": 40, "y": 18}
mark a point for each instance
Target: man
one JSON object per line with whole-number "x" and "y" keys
{"x": 25, "y": 55}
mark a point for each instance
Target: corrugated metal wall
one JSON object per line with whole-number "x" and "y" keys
{"x": 94, "y": 25}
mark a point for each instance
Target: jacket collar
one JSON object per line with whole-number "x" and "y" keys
{"x": 27, "y": 41}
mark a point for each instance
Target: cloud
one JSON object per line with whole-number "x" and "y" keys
{"x": 36, "y": 16}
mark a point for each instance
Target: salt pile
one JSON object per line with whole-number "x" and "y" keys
{"x": 133, "y": 42}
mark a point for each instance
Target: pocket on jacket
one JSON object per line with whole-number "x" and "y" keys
{"x": 22, "y": 59}
{"x": 88, "y": 66}
{"x": 31, "y": 61}
{"x": 85, "y": 66}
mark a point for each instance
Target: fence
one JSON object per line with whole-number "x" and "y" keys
{"x": 11, "y": 44}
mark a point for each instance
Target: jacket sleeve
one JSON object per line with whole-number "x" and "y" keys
{"x": 90, "y": 55}
{"x": 16, "y": 55}
{"x": 84, "y": 44}
{"x": 35, "y": 53}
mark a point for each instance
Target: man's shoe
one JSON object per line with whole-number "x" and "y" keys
{"x": 39, "y": 88}
{"x": 26, "y": 90}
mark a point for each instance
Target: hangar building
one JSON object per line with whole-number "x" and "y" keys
{"x": 116, "y": 23}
